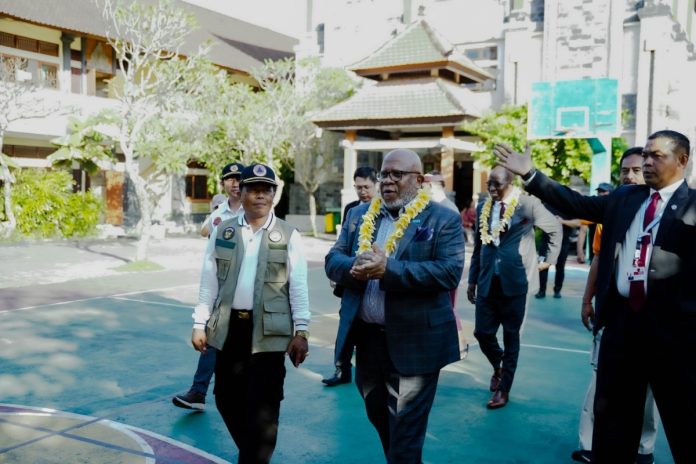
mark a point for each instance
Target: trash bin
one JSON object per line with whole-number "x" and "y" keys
{"x": 331, "y": 219}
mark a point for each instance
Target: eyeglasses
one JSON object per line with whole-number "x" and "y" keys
{"x": 496, "y": 184}
{"x": 395, "y": 175}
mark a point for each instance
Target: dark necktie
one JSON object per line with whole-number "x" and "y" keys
{"x": 636, "y": 292}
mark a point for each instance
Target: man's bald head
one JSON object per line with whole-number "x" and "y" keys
{"x": 502, "y": 173}
{"x": 400, "y": 178}
{"x": 407, "y": 158}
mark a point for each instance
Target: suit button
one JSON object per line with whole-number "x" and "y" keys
{"x": 652, "y": 270}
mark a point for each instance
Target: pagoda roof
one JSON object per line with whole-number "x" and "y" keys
{"x": 419, "y": 47}
{"x": 402, "y": 102}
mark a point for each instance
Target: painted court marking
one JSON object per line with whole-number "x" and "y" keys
{"x": 116, "y": 295}
{"x": 148, "y": 445}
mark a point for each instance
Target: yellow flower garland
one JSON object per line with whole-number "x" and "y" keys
{"x": 367, "y": 229}
{"x": 487, "y": 236}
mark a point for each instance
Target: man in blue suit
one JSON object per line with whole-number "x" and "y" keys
{"x": 503, "y": 269}
{"x": 396, "y": 303}
{"x": 645, "y": 296}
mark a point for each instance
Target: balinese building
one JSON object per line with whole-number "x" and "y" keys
{"x": 417, "y": 98}
{"x": 67, "y": 53}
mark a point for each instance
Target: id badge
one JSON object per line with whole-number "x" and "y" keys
{"x": 637, "y": 274}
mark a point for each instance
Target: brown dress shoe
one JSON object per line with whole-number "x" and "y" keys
{"x": 498, "y": 400}
{"x": 495, "y": 379}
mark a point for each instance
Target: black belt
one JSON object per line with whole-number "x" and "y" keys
{"x": 370, "y": 326}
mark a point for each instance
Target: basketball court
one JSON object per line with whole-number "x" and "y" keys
{"x": 90, "y": 380}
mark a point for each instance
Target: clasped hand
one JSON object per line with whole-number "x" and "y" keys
{"x": 370, "y": 264}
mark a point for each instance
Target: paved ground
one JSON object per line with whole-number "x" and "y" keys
{"x": 90, "y": 357}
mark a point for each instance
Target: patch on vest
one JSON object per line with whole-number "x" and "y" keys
{"x": 228, "y": 233}
{"x": 275, "y": 236}
{"x": 224, "y": 244}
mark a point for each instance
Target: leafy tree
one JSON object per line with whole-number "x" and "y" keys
{"x": 20, "y": 98}
{"x": 314, "y": 152}
{"x": 89, "y": 142}
{"x": 154, "y": 89}
{"x": 559, "y": 158}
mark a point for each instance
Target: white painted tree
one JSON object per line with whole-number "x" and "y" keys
{"x": 20, "y": 98}
{"x": 155, "y": 86}
{"x": 313, "y": 152}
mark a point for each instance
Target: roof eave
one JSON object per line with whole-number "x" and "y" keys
{"x": 368, "y": 123}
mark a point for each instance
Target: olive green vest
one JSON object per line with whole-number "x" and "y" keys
{"x": 273, "y": 326}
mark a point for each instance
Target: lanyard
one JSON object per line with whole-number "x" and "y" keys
{"x": 647, "y": 232}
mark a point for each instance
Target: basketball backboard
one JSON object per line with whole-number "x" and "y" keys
{"x": 576, "y": 109}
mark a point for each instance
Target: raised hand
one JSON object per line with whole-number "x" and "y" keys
{"x": 513, "y": 161}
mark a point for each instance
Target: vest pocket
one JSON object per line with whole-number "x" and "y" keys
{"x": 223, "y": 267}
{"x": 277, "y": 319}
{"x": 276, "y": 266}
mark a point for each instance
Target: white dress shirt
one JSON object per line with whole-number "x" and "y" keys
{"x": 495, "y": 214}
{"x": 243, "y": 297}
{"x": 628, "y": 247}
{"x": 224, "y": 213}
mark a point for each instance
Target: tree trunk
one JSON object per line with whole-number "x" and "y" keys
{"x": 11, "y": 224}
{"x": 144, "y": 226}
{"x": 313, "y": 212}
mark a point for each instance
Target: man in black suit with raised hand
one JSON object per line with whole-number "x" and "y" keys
{"x": 645, "y": 295}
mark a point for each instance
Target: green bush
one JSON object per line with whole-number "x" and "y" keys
{"x": 45, "y": 205}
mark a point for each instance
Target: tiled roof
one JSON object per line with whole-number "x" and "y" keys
{"x": 236, "y": 44}
{"x": 401, "y": 100}
{"x": 418, "y": 44}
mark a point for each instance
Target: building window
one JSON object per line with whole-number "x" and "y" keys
{"x": 43, "y": 74}
{"x": 320, "y": 37}
{"x": 197, "y": 188}
{"x": 48, "y": 75}
{"x": 628, "y": 111}
{"x": 28, "y": 44}
{"x": 81, "y": 181}
{"x": 483, "y": 53}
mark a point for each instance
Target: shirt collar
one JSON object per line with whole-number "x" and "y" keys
{"x": 666, "y": 192}
{"x": 270, "y": 222}
{"x": 384, "y": 212}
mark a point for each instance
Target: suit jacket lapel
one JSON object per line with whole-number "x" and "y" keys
{"x": 673, "y": 210}
{"x": 411, "y": 230}
{"x": 630, "y": 207}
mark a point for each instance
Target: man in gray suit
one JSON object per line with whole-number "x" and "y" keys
{"x": 504, "y": 268}
{"x": 396, "y": 303}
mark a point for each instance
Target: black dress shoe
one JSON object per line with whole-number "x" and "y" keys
{"x": 540, "y": 295}
{"x": 499, "y": 399}
{"x": 581, "y": 456}
{"x": 339, "y": 377}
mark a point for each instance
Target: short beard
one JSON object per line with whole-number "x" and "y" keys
{"x": 405, "y": 198}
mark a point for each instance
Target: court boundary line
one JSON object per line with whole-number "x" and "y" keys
{"x": 82, "y": 300}
{"x": 89, "y": 420}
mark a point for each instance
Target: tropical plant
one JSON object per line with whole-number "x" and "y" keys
{"x": 45, "y": 205}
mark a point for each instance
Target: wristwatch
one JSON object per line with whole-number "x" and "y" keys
{"x": 529, "y": 175}
{"x": 302, "y": 333}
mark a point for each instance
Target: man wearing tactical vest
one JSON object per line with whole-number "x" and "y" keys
{"x": 253, "y": 306}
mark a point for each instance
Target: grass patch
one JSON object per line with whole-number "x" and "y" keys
{"x": 138, "y": 266}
